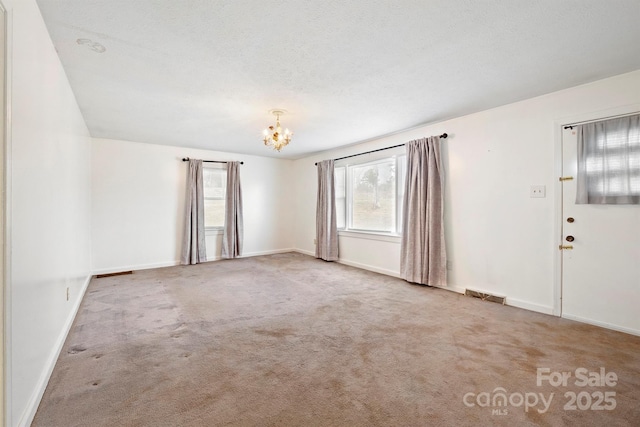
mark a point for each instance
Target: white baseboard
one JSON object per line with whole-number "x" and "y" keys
{"x": 135, "y": 267}
{"x": 529, "y": 306}
{"x": 455, "y": 289}
{"x": 257, "y": 253}
{"x": 509, "y": 301}
{"x": 355, "y": 264}
{"x": 379, "y": 270}
{"x": 370, "y": 268}
{"x": 305, "y": 252}
{"x": 271, "y": 252}
{"x": 393, "y": 274}
{"x": 516, "y": 302}
{"x": 43, "y": 381}
{"x": 601, "y": 324}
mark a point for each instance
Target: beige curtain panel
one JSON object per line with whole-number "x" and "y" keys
{"x": 233, "y": 224}
{"x": 326, "y": 220}
{"x": 423, "y": 253}
{"x": 193, "y": 242}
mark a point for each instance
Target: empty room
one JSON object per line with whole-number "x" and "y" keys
{"x": 320, "y": 213}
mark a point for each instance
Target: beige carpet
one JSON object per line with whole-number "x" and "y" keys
{"x": 288, "y": 340}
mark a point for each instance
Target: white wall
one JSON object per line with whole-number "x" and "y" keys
{"x": 499, "y": 240}
{"x": 49, "y": 208}
{"x": 138, "y": 203}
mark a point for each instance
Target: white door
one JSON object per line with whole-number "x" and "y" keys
{"x": 601, "y": 274}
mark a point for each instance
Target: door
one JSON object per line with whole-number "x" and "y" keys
{"x": 601, "y": 261}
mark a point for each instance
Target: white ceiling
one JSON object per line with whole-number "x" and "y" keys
{"x": 205, "y": 73}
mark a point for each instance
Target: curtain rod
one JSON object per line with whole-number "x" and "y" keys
{"x": 443, "y": 136}
{"x": 602, "y": 119}
{"x": 186, "y": 159}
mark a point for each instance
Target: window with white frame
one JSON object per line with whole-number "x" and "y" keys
{"x": 215, "y": 188}
{"x": 369, "y": 193}
{"x": 609, "y": 162}
{"x": 620, "y": 152}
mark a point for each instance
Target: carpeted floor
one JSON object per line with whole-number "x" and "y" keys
{"x": 288, "y": 340}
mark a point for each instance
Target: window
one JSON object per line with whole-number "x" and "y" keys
{"x": 369, "y": 194}
{"x": 215, "y": 188}
{"x": 609, "y": 162}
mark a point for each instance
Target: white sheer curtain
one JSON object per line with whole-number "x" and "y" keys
{"x": 193, "y": 240}
{"x": 326, "y": 221}
{"x": 609, "y": 161}
{"x": 423, "y": 256}
{"x": 233, "y": 222}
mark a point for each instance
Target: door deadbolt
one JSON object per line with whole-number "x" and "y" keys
{"x": 570, "y": 219}
{"x": 569, "y": 239}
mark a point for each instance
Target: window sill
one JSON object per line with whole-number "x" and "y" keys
{"x": 369, "y": 235}
{"x": 213, "y": 231}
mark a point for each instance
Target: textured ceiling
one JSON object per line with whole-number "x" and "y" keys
{"x": 205, "y": 73}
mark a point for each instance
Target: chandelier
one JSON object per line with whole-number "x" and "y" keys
{"x": 273, "y": 135}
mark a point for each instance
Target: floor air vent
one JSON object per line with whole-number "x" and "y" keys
{"x": 484, "y": 296}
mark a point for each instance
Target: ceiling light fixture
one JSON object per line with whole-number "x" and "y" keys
{"x": 273, "y": 135}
